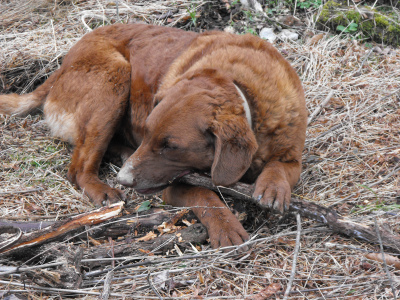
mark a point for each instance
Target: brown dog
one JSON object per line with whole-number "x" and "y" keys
{"x": 213, "y": 101}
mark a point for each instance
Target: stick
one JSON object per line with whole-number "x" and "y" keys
{"x": 62, "y": 228}
{"x": 153, "y": 287}
{"x": 58, "y": 291}
{"x": 306, "y": 209}
{"x": 37, "y": 189}
{"x": 384, "y": 260}
{"x": 318, "y": 109}
{"x": 296, "y": 252}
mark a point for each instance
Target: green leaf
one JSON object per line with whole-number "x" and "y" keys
{"x": 353, "y": 27}
{"x": 144, "y": 206}
{"x": 341, "y": 28}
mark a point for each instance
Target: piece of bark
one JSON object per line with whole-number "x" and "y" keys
{"x": 306, "y": 209}
{"x": 58, "y": 230}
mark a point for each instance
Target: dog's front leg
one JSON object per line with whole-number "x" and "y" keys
{"x": 275, "y": 183}
{"x": 223, "y": 227}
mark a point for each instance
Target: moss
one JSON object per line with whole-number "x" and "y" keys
{"x": 381, "y": 27}
{"x": 394, "y": 29}
{"x": 381, "y": 21}
{"x": 353, "y": 15}
{"x": 327, "y": 10}
{"x": 368, "y": 25}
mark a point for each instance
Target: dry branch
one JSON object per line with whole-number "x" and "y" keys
{"x": 120, "y": 226}
{"x": 308, "y": 210}
{"x": 62, "y": 228}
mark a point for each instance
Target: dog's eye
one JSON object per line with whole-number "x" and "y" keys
{"x": 168, "y": 145}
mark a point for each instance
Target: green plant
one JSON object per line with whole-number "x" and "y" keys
{"x": 309, "y": 3}
{"x": 352, "y": 27}
{"x": 192, "y": 13}
{"x": 248, "y": 15}
{"x": 144, "y": 206}
{"x": 250, "y": 30}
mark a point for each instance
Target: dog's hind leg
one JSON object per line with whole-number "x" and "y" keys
{"x": 86, "y": 106}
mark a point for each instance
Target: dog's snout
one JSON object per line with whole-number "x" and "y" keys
{"x": 125, "y": 176}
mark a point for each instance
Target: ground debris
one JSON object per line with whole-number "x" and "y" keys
{"x": 350, "y": 164}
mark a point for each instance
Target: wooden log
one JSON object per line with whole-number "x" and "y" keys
{"x": 306, "y": 209}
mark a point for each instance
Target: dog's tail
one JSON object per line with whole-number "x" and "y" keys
{"x": 21, "y": 105}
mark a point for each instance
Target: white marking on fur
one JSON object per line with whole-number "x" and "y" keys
{"x": 20, "y": 105}
{"x": 245, "y": 105}
{"x": 26, "y": 103}
{"x": 61, "y": 123}
{"x": 125, "y": 174}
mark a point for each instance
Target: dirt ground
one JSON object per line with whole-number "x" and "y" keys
{"x": 351, "y": 163}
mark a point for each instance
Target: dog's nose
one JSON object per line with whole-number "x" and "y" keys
{"x": 125, "y": 177}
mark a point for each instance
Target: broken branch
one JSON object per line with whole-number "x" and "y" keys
{"x": 64, "y": 227}
{"x": 306, "y": 209}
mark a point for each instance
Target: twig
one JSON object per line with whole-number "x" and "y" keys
{"x": 368, "y": 184}
{"x": 54, "y": 36}
{"x": 154, "y": 262}
{"x": 16, "y": 270}
{"x": 37, "y": 189}
{"x": 384, "y": 259}
{"x": 12, "y": 240}
{"x": 69, "y": 291}
{"x": 107, "y": 286}
{"x": 91, "y": 15}
{"x": 110, "y": 275}
{"x": 295, "y": 254}
{"x": 395, "y": 170}
{"x": 10, "y": 218}
{"x": 153, "y": 287}
{"x": 117, "y": 9}
{"x": 358, "y": 114}
{"x": 364, "y": 60}
{"x": 318, "y": 109}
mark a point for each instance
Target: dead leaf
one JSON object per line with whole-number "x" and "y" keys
{"x": 315, "y": 39}
{"x": 287, "y": 242}
{"x": 93, "y": 241}
{"x": 201, "y": 278}
{"x": 31, "y": 207}
{"x": 149, "y": 236}
{"x": 367, "y": 266}
{"x": 186, "y": 222}
{"x": 144, "y": 251}
{"x": 268, "y": 292}
{"x": 390, "y": 260}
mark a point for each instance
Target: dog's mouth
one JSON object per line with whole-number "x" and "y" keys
{"x": 153, "y": 190}
{"x": 150, "y": 191}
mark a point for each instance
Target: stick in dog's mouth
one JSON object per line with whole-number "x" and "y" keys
{"x": 157, "y": 189}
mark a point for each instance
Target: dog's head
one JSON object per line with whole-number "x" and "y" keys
{"x": 197, "y": 124}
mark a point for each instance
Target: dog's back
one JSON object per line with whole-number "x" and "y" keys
{"x": 107, "y": 52}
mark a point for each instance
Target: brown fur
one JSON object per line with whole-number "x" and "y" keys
{"x": 171, "y": 95}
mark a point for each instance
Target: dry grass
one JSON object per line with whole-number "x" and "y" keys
{"x": 351, "y": 162}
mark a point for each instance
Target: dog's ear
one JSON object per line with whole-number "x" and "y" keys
{"x": 235, "y": 145}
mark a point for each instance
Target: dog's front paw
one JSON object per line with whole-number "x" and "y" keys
{"x": 105, "y": 195}
{"x": 273, "y": 194}
{"x": 99, "y": 193}
{"x": 226, "y": 232}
